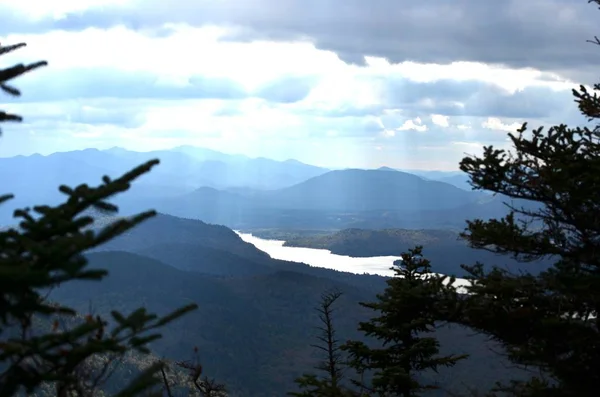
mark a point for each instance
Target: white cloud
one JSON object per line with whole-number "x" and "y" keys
{"x": 472, "y": 145}
{"x": 188, "y": 51}
{"x": 496, "y": 124}
{"x": 416, "y": 125}
{"x": 511, "y": 80}
{"x": 440, "y": 120}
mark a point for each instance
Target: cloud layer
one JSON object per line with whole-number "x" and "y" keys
{"x": 409, "y": 84}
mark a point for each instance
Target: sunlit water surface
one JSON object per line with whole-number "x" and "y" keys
{"x": 380, "y": 265}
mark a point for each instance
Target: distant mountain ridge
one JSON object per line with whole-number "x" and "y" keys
{"x": 181, "y": 170}
{"x": 369, "y": 190}
{"x": 242, "y": 192}
{"x": 337, "y": 200}
{"x": 199, "y": 166}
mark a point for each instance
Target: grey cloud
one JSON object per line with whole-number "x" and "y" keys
{"x": 438, "y": 136}
{"x": 404, "y": 91}
{"x": 287, "y": 90}
{"x": 546, "y": 34}
{"x": 99, "y": 116}
{"x": 343, "y": 111}
{"x": 92, "y": 116}
{"x": 532, "y": 102}
{"x": 478, "y": 99}
{"x": 52, "y": 85}
{"x": 118, "y": 112}
{"x": 86, "y": 83}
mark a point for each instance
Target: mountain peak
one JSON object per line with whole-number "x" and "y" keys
{"x": 116, "y": 149}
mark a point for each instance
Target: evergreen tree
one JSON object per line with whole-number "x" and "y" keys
{"x": 547, "y": 320}
{"x": 328, "y": 385}
{"x": 44, "y": 251}
{"x": 408, "y": 309}
{"x": 10, "y": 73}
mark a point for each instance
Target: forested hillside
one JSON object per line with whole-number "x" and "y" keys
{"x": 446, "y": 250}
{"x": 252, "y": 331}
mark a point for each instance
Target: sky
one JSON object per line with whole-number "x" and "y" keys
{"x": 338, "y": 83}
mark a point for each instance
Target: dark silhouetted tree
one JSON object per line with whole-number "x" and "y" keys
{"x": 46, "y": 250}
{"x": 547, "y": 320}
{"x": 328, "y": 385}
{"x": 407, "y": 310}
{"x": 8, "y": 74}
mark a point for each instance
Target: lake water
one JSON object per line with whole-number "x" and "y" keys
{"x": 324, "y": 258}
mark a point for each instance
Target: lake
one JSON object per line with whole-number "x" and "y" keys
{"x": 379, "y": 265}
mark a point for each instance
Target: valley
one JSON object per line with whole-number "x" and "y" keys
{"x": 253, "y": 253}
{"x": 256, "y": 314}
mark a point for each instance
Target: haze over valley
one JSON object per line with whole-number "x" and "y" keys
{"x": 243, "y": 192}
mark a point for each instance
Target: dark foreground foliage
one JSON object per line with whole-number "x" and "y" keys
{"x": 547, "y": 321}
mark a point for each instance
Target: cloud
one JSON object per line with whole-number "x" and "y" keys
{"x": 496, "y": 124}
{"x": 436, "y": 31}
{"x": 289, "y": 89}
{"x": 440, "y": 120}
{"x": 474, "y": 98}
{"x": 83, "y": 83}
{"x": 268, "y": 78}
{"x": 416, "y": 125}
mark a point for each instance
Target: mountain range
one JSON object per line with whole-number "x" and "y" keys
{"x": 181, "y": 170}
{"x": 250, "y": 193}
{"x": 338, "y": 200}
{"x": 193, "y": 167}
